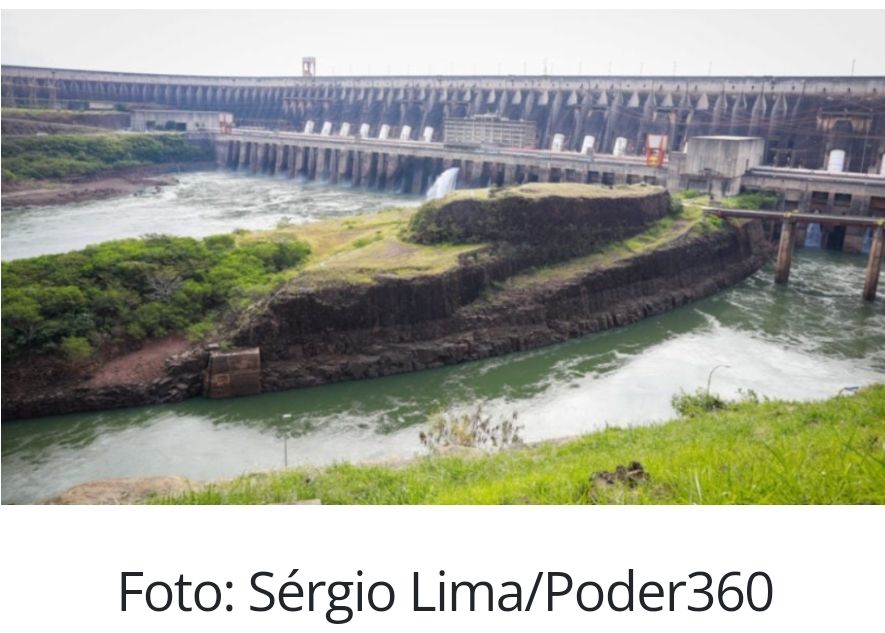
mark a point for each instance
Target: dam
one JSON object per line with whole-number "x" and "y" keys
{"x": 802, "y": 119}
{"x": 821, "y": 151}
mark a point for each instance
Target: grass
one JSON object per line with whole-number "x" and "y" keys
{"x": 358, "y": 248}
{"x": 535, "y": 190}
{"x": 749, "y": 452}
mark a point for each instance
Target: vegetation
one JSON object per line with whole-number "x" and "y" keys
{"x": 356, "y": 249}
{"x": 771, "y": 452}
{"x": 754, "y": 200}
{"x": 434, "y": 221}
{"x": 128, "y": 290}
{"x": 471, "y": 430}
{"x": 64, "y": 155}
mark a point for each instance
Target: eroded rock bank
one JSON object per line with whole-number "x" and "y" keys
{"x": 531, "y": 281}
{"x": 399, "y": 325}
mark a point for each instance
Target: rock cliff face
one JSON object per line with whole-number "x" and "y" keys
{"x": 321, "y": 335}
{"x": 552, "y": 225}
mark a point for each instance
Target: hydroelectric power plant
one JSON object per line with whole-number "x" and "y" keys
{"x": 387, "y": 292}
{"x": 820, "y": 147}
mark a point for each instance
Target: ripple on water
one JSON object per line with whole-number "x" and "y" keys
{"x": 201, "y": 204}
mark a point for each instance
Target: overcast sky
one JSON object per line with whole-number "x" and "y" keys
{"x": 491, "y": 42}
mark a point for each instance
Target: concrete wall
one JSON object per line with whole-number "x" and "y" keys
{"x": 802, "y": 119}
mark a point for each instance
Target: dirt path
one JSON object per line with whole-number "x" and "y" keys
{"x": 142, "y": 365}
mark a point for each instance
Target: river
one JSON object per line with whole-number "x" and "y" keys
{"x": 807, "y": 340}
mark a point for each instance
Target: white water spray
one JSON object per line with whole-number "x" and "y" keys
{"x": 813, "y": 236}
{"x": 443, "y": 184}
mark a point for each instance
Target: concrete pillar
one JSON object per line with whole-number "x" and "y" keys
{"x": 468, "y": 173}
{"x": 417, "y": 183}
{"x": 299, "y": 160}
{"x": 258, "y": 162}
{"x": 321, "y": 171}
{"x": 333, "y": 166}
{"x": 543, "y": 174}
{"x": 785, "y": 251}
{"x": 312, "y": 163}
{"x": 293, "y": 152}
{"x": 509, "y": 174}
{"x": 392, "y": 163}
{"x": 871, "y": 277}
{"x": 356, "y": 176}
{"x": 278, "y": 158}
{"x": 344, "y": 160}
{"x": 366, "y": 169}
{"x": 244, "y": 154}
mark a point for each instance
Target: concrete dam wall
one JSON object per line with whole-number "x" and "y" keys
{"x": 803, "y": 119}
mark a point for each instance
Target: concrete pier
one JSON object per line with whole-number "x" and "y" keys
{"x": 785, "y": 251}
{"x": 874, "y": 265}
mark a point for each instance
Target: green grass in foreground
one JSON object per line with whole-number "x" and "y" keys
{"x": 773, "y": 452}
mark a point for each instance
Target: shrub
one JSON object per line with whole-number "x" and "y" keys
{"x": 690, "y": 405}
{"x": 754, "y": 200}
{"x": 129, "y": 290}
{"x": 471, "y": 430}
{"x": 76, "y": 348}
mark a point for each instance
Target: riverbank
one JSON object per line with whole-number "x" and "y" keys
{"x": 745, "y": 452}
{"x": 58, "y": 169}
{"x": 111, "y": 184}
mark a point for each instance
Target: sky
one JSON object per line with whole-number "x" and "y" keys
{"x": 443, "y": 43}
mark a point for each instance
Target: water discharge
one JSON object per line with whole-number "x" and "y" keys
{"x": 445, "y": 183}
{"x": 813, "y": 236}
{"x": 807, "y": 340}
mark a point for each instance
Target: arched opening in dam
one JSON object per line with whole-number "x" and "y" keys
{"x": 816, "y": 331}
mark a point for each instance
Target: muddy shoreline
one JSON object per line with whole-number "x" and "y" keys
{"x": 111, "y": 184}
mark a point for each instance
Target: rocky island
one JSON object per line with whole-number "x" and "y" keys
{"x": 476, "y": 274}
